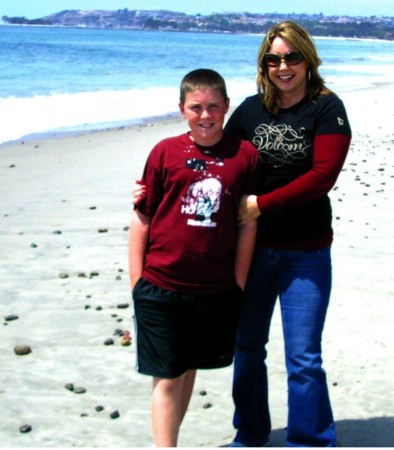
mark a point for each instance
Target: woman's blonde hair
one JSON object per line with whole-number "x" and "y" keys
{"x": 303, "y": 42}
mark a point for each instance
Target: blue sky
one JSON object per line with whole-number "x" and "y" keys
{"x": 32, "y": 9}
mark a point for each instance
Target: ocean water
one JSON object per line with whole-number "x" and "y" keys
{"x": 70, "y": 79}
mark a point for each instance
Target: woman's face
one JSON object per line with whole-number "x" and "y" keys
{"x": 290, "y": 80}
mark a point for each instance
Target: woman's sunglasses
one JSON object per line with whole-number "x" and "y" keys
{"x": 291, "y": 59}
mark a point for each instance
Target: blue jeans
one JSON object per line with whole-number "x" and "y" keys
{"x": 302, "y": 280}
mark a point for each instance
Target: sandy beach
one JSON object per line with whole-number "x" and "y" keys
{"x": 64, "y": 292}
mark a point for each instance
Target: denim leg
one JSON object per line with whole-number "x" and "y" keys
{"x": 305, "y": 286}
{"x": 250, "y": 383}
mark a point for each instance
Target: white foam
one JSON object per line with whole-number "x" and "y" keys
{"x": 23, "y": 116}
{"x": 20, "y": 117}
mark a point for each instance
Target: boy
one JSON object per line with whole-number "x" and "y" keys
{"x": 188, "y": 256}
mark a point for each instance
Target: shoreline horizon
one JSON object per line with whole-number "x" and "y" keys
{"x": 355, "y": 38}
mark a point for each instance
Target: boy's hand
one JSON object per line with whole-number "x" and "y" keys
{"x": 248, "y": 209}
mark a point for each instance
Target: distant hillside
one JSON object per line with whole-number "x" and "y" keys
{"x": 317, "y": 24}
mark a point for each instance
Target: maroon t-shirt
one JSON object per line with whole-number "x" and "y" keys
{"x": 193, "y": 194}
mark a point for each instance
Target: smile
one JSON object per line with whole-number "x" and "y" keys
{"x": 286, "y": 77}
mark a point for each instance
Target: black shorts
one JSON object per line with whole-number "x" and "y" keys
{"x": 176, "y": 332}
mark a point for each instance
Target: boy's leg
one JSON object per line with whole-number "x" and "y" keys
{"x": 170, "y": 399}
{"x": 188, "y": 386}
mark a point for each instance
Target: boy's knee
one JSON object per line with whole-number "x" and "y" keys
{"x": 168, "y": 385}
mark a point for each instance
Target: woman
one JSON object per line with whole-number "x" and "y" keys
{"x": 301, "y": 132}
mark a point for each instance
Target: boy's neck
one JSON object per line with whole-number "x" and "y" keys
{"x": 203, "y": 143}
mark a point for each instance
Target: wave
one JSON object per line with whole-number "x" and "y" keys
{"x": 21, "y": 117}
{"x": 89, "y": 110}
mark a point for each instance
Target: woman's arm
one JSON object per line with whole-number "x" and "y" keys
{"x": 330, "y": 152}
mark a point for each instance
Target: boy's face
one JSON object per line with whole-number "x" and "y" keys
{"x": 204, "y": 111}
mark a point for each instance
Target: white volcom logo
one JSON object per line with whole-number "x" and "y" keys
{"x": 341, "y": 121}
{"x": 281, "y": 145}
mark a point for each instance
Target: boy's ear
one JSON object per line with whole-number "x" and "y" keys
{"x": 227, "y": 105}
{"x": 181, "y": 109}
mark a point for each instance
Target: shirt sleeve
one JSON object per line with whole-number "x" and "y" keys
{"x": 152, "y": 178}
{"x": 330, "y": 152}
{"x": 331, "y": 116}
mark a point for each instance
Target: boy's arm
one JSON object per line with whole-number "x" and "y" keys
{"x": 244, "y": 251}
{"x": 138, "y": 239}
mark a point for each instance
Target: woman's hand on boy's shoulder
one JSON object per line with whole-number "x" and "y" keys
{"x": 138, "y": 192}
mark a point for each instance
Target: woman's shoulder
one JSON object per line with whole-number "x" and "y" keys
{"x": 250, "y": 105}
{"x": 330, "y": 108}
{"x": 329, "y": 103}
{"x": 329, "y": 98}
{"x": 251, "y": 100}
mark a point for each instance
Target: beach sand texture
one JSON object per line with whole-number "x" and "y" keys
{"x": 64, "y": 291}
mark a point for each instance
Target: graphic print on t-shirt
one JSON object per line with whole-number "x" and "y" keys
{"x": 201, "y": 201}
{"x": 281, "y": 145}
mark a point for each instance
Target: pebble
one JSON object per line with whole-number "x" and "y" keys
{"x": 79, "y": 390}
{"x": 103, "y": 230}
{"x": 126, "y": 342}
{"x": 207, "y": 405}
{"x": 114, "y": 415}
{"x": 123, "y": 306}
{"x": 99, "y": 408}
{"x": 11, "y": 317}
{"x": 63, "y": 275}
{"x": 109, "y": 341}
{"x": 203, "y": 393}
{"x": 25, "y": 428}
{"x": 33, "y": 245}
{"x": 69, "y": 387}
{"x": 22, "y": 349}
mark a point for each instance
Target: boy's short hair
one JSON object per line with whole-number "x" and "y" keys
{"x": 202, "y": 79}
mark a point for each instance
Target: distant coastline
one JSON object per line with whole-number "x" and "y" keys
{"x": 359, "y": 27}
